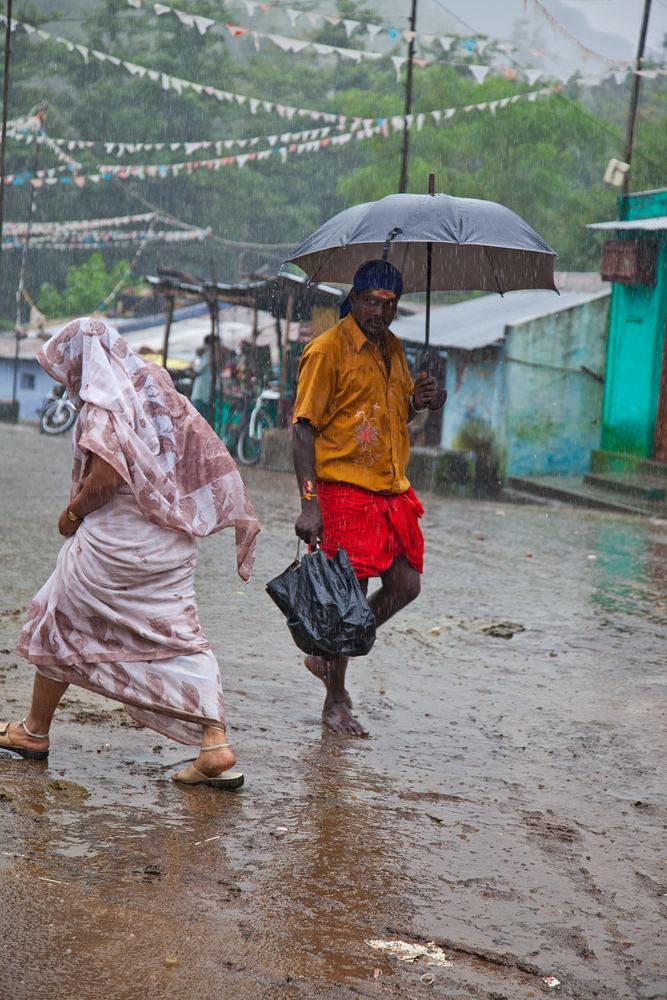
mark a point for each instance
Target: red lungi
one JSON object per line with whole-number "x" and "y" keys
{"x": 373, "y": 528}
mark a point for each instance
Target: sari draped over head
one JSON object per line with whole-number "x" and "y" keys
{"x": 180, "y": 473}
{"x": 118, "y": 614}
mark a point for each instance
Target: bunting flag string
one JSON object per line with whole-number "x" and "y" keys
{"x": 316, "y": 21}
{"x": 363, "y": 129}
{"x": 101, "y": 232}
{"x": 584, "y": 49}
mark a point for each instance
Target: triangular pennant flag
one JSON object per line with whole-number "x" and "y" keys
{"x": 492, "y": 106}
{"x": 469, "y": 44}
{"x": 650, "y": 74}
{"x": 533, "y": 75}
{"x": 449, "y": 113}
{"x": 506, "y": 48}
{"x": 299, "y": 44}
{"x": 508, "y": 72}
{"x": 482, "y": 46}
{"x": 240, "y": 99}
{"x": 323, "y": 50}
{"x": 29, "y": 29}
{"x": 373, "y": 29}
{"x": 377, "y": 55}
{"x": 235, "y": 31}
{"x": 197, "y": 87}
{"x": 398, "y": 64}
{"x": 254, "y": 104}
{"x": 350, "y": 26}
{"x": 251, "y": 7}
{"x": 533, "y": 96}
{"x": 268, "y": 106}
{"x": 436, "y": 115}
{"x": 153, "y": 75}
{"x": 428, "y": 39}
{"x": 202, "y": 23}
{"x": 284, "y": 43}
{"x": 420, "y": 121}
{"x": 446, "y": 42}
{"x": 293, "y": 15}
{"x": 186, "y": 19}
{"x": 134, "y": 3}
{"x": 332, "y": 20}
{"x": 393, "y": 33}
{"x": 620, "y": 77}
{"x": 482, "y": 107}
{"x": 166, "y": 81}
{"x": 83, "y": 50}
{"x": 314, "y": 19}
{"x": 114, "y": 60}
{"x": 160, "y": 8}
{"x": 353, "y": 54}
{"x": 409, "y": 36}
{"x": 99, "y": 55}
{"x": 479, "y": 72}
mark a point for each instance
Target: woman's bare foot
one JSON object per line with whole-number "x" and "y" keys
{"x": 318, "y": 668}
{"x": 337, "y": 716}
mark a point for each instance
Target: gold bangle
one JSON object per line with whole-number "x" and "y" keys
{"x": 309, "y": 496}
{"x": 72, "y": 516}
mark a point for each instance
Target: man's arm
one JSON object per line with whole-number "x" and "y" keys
{"x": 309, "y": 522}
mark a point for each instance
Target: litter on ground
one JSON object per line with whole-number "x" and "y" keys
{"x": 406, "y": 951}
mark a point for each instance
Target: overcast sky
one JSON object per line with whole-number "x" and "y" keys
{"x": 610, "y": 27}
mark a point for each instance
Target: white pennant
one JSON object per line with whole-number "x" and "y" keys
{"x": 398, "y": 64}
{"x": 186, "y": 19}
{"x": 160, "y": 8}
{"x": 533, "y": 75}
{"x": 373, "y": 29}
{"x": 479, "y": 72}
{"x": 409, "y": 36}
{"x": 202, "y": 23}
{"x": 350, "y": 26}
{"x": 83, "y": 50}
{"x": 293, "y": 15}
{"x": 314, "y": 19}
{"x": 134, "y": 3}
{"x": 446, "y": 42}
{"x": 323, "y": 50}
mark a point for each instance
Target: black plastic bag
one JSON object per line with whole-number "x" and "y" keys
{"x": 325, "y": 607}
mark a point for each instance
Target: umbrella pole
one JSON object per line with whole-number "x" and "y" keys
{"x": 427, "y": 331}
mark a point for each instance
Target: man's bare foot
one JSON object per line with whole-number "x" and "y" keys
{"x": 214, "y": 762}
{"x": 318, "y": 668}
{"x": 338, "y": 717}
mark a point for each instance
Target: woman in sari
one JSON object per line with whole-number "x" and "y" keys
{"x": 118, "y": 614}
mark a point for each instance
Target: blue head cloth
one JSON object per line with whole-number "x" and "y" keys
{"x": 375, "y": 274}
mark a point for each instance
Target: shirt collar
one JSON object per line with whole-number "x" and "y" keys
{"x": 357, "y": 336}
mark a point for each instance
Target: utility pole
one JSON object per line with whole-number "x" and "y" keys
{"x": 405, "y": 149}
{"x": 18, "y": 332}
{"x": 3, "y": 137}
{"x": 634, "y": 100}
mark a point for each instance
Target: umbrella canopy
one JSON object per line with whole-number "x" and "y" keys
{"x": 473, "y": 244}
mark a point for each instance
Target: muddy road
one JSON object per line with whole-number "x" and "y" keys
{"x": 509, "y": 804}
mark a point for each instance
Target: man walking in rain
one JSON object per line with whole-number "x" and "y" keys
{"x": 355, "y": 398}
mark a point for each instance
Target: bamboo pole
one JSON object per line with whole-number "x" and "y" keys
{"x": 285, "y": 357}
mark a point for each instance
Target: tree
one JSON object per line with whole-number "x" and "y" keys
{"x": 86, "y": 288}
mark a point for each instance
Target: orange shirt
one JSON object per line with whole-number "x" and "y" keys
{"x": 359, "y": 413}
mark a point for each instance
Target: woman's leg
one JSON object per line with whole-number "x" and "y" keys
{"x": 213, "y": 762}
{"x": 46, "y": 694}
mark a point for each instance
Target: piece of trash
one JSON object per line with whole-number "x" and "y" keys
{"x": 529, "y": 555}
{"x": 480, "y": 538}
{"x": 427, "y": 978}
{"x": 493, "y": 626}
{"x": 280, "y": 831}
{"x": 171, "y": 963}
{"x": 207, "y": 841}
{"x": 500, "y": 513}
{"x": 551, "y": 981}
{"x": 56, "y": 880}
{"x": 377, "y": 973}
{"x": 436, "y": 630}
{"x": 591, "y": 557}
{"x": 405, "y": 951}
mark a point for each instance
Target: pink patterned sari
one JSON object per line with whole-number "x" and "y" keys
{"x": 118, "y": 614}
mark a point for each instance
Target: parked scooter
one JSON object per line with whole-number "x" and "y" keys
{"x": 58, "y": 413}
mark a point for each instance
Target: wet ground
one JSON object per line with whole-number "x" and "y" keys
{"x": 509, "y": 805}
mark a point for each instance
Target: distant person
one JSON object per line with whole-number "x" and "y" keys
{"x": 355, "y": 398}
{"x": 118, "y": 614}
{"x": 200, "y": 397}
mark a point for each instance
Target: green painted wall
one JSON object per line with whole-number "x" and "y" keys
{"x": 634, "y": 345}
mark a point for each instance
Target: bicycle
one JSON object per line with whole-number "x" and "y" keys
{"x": 249, "y": 445}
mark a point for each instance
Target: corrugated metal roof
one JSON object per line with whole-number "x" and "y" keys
{"x": 480, "y": 322}
{"x": 655, "y": 224}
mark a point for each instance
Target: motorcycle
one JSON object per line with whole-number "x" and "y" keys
{"x": 58, "y": 413}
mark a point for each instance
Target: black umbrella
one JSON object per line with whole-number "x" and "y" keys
{"x": 435, "y": 241}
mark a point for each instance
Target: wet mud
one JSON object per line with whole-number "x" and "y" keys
{"x": 509, "y": 804}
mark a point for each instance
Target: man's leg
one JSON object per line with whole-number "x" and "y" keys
{"x": 400, "y": 586}
{"x": 336, "y": 713}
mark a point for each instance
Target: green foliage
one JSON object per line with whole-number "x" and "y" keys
{"x": 86, "y": 287}
{"x": 544, "y": 159}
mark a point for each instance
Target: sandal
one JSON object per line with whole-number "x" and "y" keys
{"x": 6, "y": 743}
{"x": 228, "y": 780}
